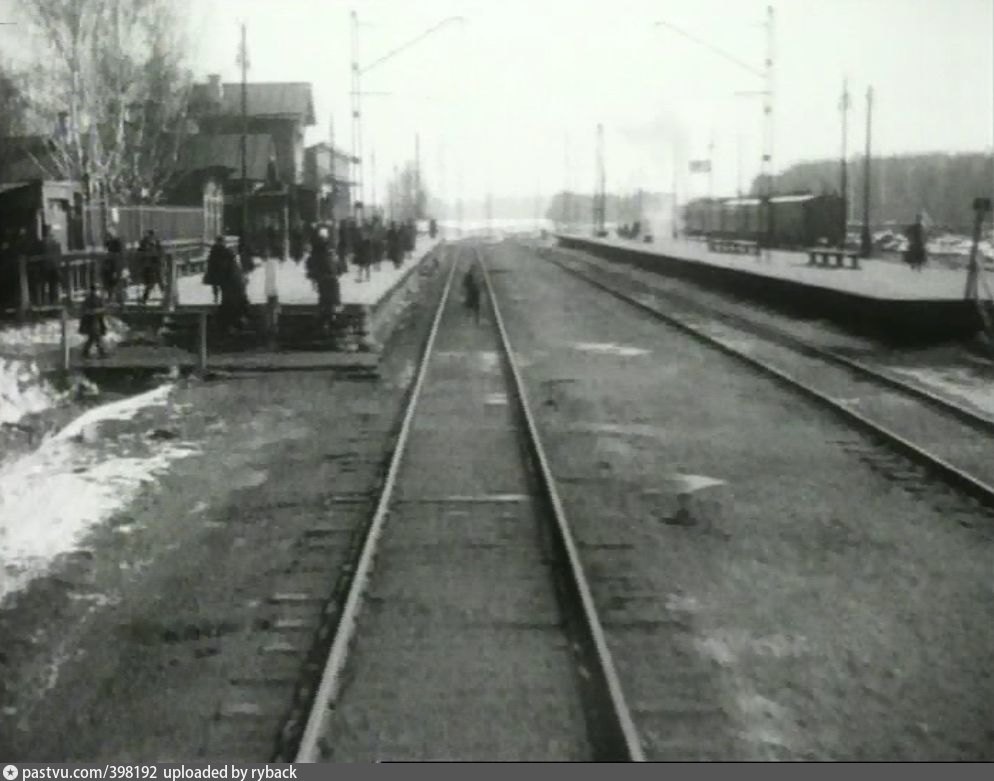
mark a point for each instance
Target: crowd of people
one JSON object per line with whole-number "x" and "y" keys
{"x": 328, "y": 250}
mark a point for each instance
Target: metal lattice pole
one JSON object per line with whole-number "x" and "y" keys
{"x": 356, "y": 163}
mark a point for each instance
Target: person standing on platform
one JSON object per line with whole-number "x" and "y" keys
{"x": 344, "y": 232}
{"x": 375, "y": 243}
{"x": 92, "y": 324}
{"x": 297, "y": 242}
{"x": 326, "y": 279}
{"x": 361, "y": 248}
{"x": 234, "y": 301}
{"x": 915, "y": 255}
{"x": 110, "y": 269}
{"x": 219, "y": 260}
{"x": 150, "y": 253}
{"x": 394, "y": 250}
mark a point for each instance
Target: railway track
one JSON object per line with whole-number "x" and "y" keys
{"x": 476, "y": 636}
{"x": 944, "y": 439}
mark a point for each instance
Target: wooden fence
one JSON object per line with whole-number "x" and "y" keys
{"x": 48, "y": 283}
{"x": 170, "y": 223}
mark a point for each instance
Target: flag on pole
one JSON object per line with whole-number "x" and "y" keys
{"x": 700, "y": 166}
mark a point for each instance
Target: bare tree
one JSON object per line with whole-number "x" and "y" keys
{"x": 13, "y": 116}
{"x": 113, "y": 89}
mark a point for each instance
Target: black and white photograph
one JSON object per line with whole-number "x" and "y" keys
{"x": 494, "y": 381}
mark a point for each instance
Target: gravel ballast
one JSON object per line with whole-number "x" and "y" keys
{"x": 825, "y": 605}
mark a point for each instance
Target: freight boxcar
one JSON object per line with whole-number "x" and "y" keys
{"x": 806, "y": 220}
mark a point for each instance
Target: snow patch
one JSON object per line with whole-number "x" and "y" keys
{"x": 961, "y": 384}
{"x": 23, "y": 390}
{"x": 51, "y": 498}
{"x": 610, "y": 348}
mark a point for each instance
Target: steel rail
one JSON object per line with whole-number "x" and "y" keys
{"x": 956, "y": 477}
{"x": 940, "y": 403}
{"x": 309, "y": 750}
{"x": 626, "y": 734}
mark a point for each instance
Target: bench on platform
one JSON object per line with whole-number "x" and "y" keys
{"x": 826, "y": 256}
{"x": 737, "y": 246}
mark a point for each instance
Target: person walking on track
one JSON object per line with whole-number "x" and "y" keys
{"x": 471, "y": 293}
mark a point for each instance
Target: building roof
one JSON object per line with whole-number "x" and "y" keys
{"x": 204, "y": 151}
{"x": 27, "y": 158}
{"x": 263, "y": 99}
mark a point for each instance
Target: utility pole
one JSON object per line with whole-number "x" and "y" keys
{"x": 356, "y": 163}
{"x": 766, "y": 169}
{"x": 867, "y": 236}
{"x": 417, "y": 176}
{"x": 738, "y": 165}
{"x": 372, "y": 180}
{"x": 490, "y": 214}
{"x": 600, "y": 194}
{"x": 243, "y": 61}
{"x": 844, "y": 184}
{"x": 567, "y": 204}
{"x": 459, "y": 193}
{"x": 711, "y": 165}
{"x": 674, "y": 216}
{"x": 393, "y": 193}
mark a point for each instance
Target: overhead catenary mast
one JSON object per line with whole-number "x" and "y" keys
{"x": 844, "y": 173}
{"x": 356, "y": 161}
{"x": 866, "y": 239}
{"x": 243, "y": 61}
{"x": 766, "y": 168}
{"x": 600, "y": 194}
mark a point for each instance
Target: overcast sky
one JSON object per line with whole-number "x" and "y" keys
{"x": 505, "y": 97}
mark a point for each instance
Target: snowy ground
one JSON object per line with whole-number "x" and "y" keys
{"x": 53, "y": 495}
{"x": 50, "y": 498}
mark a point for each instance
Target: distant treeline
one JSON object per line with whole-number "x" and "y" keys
{"x": 579, "y": 207}
{"x": 941, "y": 185}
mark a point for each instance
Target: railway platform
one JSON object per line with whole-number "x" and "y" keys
{"x": 879, "y": 299}
{"x": 295, "y": 342}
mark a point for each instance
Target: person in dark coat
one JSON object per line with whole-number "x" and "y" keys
{"x": 915, "y": 255}
{"x": 219, "y": 260}
{"x": 325, "y": 278}
{"x": 113, "y": 265}
{"x": 362, "y": 249}
{"x": 412, "y": 235}
{"x": 344, "y": 234}
{"x": 92, "y": 324}
{"x": 51, "y": 276}
{"x": 150, "y": 253}
{"x": 377, "y": 238}
{"x": 297, "y": 242}
{"x": 234, "y": 301}
{"x": 471, "y": 293}
{"x": 394, "y": 249}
